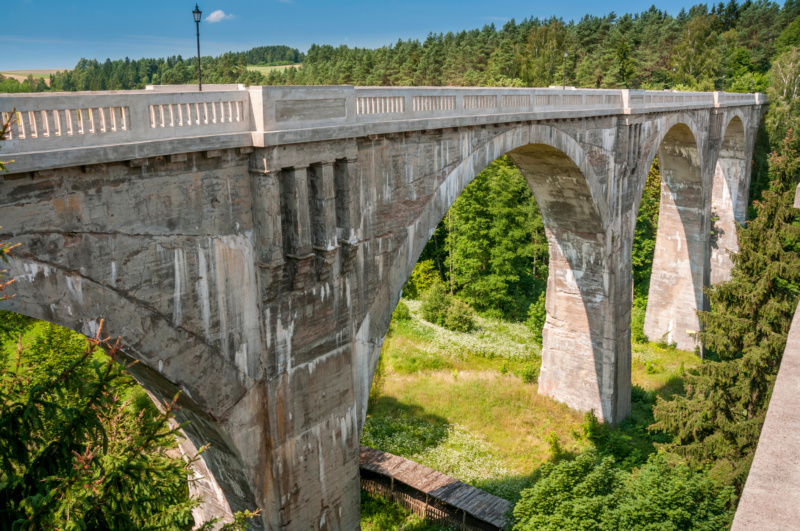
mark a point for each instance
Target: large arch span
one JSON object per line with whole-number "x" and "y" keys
{"x": 256, "y": 266}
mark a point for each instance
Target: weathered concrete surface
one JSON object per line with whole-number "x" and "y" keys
{"x": 260, "y": 279}
{"x": 771, "y": 497}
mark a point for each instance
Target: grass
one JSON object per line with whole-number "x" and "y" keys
{"x": 456, "y": 402}
{"x": 267, "y": 69}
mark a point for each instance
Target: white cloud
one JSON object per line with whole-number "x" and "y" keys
{"x": 218, "y": 16}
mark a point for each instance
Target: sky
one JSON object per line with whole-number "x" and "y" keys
{"x": 40, "y": 34}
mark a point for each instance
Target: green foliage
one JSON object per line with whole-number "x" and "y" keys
{"x": 82, "y": 445}
{"x": 590, "y": 493}
{"x": 537, "y": 315}
{"x": 749, "y": 82}
{"x": 441, "y": 308}
{"x": 459, "y": 317}
{"x": 530, "y": 372}
{"x": 73, "y": 450}
{"x": 401, "y": 312}
{"x": 422, "y": 278}
{"x": 784, "y": 95}
{"x": 637, "y": 325}
{"x": 544, "y": 54}
{"x": 497, "y": 246}
{"x": 436, "y": 303}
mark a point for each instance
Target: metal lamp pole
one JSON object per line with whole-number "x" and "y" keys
{"x": 673, "y": 78}
{"x": 197, "y": 14}
{"x": 565, "y": 69}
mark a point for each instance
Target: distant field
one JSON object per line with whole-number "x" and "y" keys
{"x": 267, "y": 69}
{"x": 21, "y": 75}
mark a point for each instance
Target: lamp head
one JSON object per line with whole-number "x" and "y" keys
{"x": 197, "y": 13}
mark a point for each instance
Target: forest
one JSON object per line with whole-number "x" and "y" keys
{"x": 681, "y": 460}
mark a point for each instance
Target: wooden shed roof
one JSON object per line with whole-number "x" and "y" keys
{"x": 476, "y": 502}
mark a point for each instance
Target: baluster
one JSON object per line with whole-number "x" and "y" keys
{"x": 58, "y": 129}
{"x": 32, "y": 124}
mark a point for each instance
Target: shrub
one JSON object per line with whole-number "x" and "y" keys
{"x": 401, "y": 312}
{"x": 422, "y": 278}
{"x": 529, "y": 373}
{"x": 459, "y": 317}
{"x": 537, "y": 315}
{"x": 436, "y": 303}
{"x": 591, "y": 493}
{"x": 637, "y": 325}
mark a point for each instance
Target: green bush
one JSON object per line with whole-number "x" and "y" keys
{"x": 537, "y": 315}
{"x": 459, "y": 317}
{"x": 401, "y": 312}
{"x": 436, "y": 303}
{"x": 422, "y": 278}
{"x": 637, "y": 326}
{"x": 529, "y": 373}
{"x": 591, "y": 493}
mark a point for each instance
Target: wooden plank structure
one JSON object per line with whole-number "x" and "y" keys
{"x": 434, "y": 496}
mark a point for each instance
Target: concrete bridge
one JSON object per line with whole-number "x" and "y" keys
{"x": 249, "y": 245}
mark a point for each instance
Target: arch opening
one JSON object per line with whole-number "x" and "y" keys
{"x": 586, "y": 354}
{"x": 679, "y": 262}
{"x": 728, "y": 200}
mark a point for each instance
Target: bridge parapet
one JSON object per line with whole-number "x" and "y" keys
{"x": 97, "y": 127}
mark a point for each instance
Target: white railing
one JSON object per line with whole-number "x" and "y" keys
{"x": 53, "y": 121}
{"x": 164, "y": 119}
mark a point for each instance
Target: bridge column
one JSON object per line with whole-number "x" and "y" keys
{"x": 266, "y": 197}
{"x": 676, "y": 284}
{"x": 323, "y": 218}
{"x": 295, "y": 210}
{"x": 586, "y": 337}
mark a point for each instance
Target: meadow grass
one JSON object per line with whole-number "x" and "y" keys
{"x": 455, "y": 402}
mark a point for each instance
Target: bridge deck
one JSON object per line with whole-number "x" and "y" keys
{"x": 473, "y": 501}
{"x": 80, "y": 128}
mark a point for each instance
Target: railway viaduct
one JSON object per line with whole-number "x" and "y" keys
{"x": 250, "y": 243}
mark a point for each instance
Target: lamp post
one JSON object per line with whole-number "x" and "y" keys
{"x": 673, "y": 78}
{"x": 565, "y": 69}
{"x": 197, "y": 14}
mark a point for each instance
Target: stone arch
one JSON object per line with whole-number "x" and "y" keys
{"x": 70, "y": 299}
{"x": 680, "y": 261}
{"x": 727, "y": 207}
{"x": 576, "y": 215}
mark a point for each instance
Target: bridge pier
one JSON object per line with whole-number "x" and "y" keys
{"x": 679, "y": 263}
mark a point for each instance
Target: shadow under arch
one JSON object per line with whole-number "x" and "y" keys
{"x": 586, "y": 351}
{"x": 680, "y": 261}
{"x": 728, "y": 198}
{"x": 44, "y": 292}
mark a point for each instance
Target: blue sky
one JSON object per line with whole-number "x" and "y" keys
{"x": 55, "y": 34}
